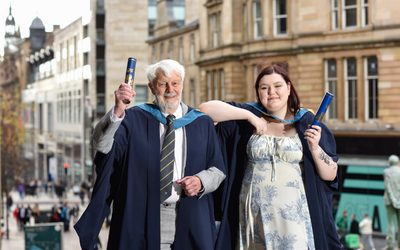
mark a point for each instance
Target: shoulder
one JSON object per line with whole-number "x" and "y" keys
{"x": 246, "y": 106}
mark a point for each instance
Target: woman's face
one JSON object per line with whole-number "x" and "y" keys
{"x": 274, "y": 92}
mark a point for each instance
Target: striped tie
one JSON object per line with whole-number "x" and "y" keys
{"x": 167, "y": 161}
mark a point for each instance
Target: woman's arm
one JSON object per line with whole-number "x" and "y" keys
{"x": 220, "y": 111}
{"x": 324, "y": 164}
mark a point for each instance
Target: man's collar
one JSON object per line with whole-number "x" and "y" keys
{"x": 177, "y": 113}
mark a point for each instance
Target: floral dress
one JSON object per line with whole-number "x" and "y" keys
{"x": 273, "y": 206}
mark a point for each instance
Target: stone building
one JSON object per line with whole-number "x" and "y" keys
{"x": 350, "y": 48}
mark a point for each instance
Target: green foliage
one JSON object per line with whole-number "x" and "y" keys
{"x": 13, "y": 134}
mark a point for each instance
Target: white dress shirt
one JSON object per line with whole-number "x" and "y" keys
{"x": 179, "y": 146}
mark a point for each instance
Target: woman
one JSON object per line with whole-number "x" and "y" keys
{"x": 282, "y": 172}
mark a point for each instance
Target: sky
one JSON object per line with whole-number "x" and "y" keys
{"x": 51, "y": 12}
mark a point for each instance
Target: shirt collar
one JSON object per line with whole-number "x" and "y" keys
{"x": 177, "y": 113}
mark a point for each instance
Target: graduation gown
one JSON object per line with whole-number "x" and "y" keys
{"x": 234, "y": 136}
{"x": 129, "y": 175}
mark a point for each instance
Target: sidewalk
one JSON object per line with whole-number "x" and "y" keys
{"x": 16, "y": 240}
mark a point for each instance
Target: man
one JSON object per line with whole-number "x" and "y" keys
{"x": 148, "y": 211}
{"x": 391, "y": 197}
{"x": 366, "y": 231}
{"x": 342, "y": 224}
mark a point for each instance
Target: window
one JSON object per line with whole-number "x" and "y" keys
{"x": 364, "y": 13}
{"x": 349, "y": 13}
{"x": 334, "y": 14}
{"x": 141, "y": 94}
{"x": 257, "y": 20}
{"x": 171, "y": 50}
{"x": 215, "y": 85}
{"x": 161, "y": 51}
{"x": 41, "y": 117}
{"x": 192, "y": 93}
{"x": 68, "y": 49}
{"x": 215, "y": 30}
{"x": 62, "y": 57}
{"x": 351, "y": 88}
{"x": 280, "y": 17}
{"x": 192, "y": 47}
{"x": 209, "y": 86}
{"x": 245, "y": 23}
{"x": 371, "y": 87}
{"x": 69, "y": 107}
{"x": 153, "y": 54}
{"x": 78, "y": 107}
{"x": 222, "y": 83}
{"x": 331, "y": 86}
{"x": 49, "y": 118}
{"x": 61, "y": 101}
{"x": 181, "y": 50}
{"x": 76, "y": 56}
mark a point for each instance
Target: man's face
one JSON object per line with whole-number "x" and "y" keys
{"x": 167, "y": 91}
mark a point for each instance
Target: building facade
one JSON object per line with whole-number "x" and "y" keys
{"x": 348, "y": 48}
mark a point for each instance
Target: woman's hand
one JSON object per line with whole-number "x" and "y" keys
{"x": 325, "y": 166}
{"x": 260, "y": 124}
{"x": 313, "y": 135}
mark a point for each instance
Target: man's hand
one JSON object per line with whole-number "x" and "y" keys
{"x": 124, "y": 92}
{"x": 191, "y": 185}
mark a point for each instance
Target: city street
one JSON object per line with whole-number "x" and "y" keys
{"x": 70, "y": 239}
{"x": 16, "y": 239}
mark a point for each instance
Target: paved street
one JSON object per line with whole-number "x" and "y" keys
{"x": 16, "y": 239}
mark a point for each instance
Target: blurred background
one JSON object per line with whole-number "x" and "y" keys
{"x": 60, "y": 62}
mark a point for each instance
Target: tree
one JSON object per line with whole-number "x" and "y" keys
{"x": 13, "y": 137}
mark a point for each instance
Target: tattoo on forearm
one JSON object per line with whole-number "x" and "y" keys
{"x": 327, "y": 159}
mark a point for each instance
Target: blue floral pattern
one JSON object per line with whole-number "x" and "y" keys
{"x": 274, "y": 210}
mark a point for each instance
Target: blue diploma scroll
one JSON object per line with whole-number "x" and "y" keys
{"x": 130, "y": 74}
{"x": 322, "y": 109}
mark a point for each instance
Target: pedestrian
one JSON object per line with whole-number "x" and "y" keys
{"x": 354, "y": 227}
{"x": 21, "y": 190}
{"x": 159, "y": 168}
{"x": 342, "y": 224}
{"x": 82, "y": 192}
{"x": 55, "y": 213}
{"x": 75, "y": 213}
{"x": 9, "y": 202}
{"x": 355, "y": 230}
{"x": 22, "y": 216}
{"x": 28, "y": 214}
{"x": 16, "y": 215}
{"x": 391, "y": 197}
{"x": 36, "y": 213}
{"x": 282, "y": 172}
{"x": 366, "y": 231}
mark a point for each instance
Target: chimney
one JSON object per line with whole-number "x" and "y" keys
{"x": 165, "y": 22}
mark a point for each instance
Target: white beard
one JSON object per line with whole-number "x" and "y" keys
{"x": 164, "y": 106}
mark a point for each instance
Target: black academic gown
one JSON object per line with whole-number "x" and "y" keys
{"x": 129, "y": 176}
{"x": 234, "y": 136}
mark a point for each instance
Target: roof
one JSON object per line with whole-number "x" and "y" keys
{"x": 37, "y": 24}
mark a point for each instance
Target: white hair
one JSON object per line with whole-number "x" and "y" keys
{"x": 167, "y": 66}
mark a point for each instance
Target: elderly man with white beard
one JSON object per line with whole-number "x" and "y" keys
{"x": 158, "y": 163}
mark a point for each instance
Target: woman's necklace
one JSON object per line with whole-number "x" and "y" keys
{"x": 280, "y": 123}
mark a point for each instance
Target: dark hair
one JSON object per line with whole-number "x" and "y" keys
{"x": 294, "y": 100}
